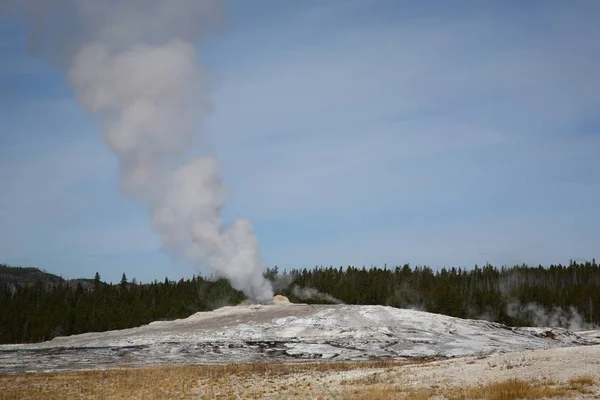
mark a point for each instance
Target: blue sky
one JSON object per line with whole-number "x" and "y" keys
{"x": 355, "y": 132}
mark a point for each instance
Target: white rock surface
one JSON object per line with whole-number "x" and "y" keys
{"x": 284, "y": 331}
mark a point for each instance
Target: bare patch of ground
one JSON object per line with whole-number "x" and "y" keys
{"x": 554, "y": 373}
{"x": 558, "y": 365}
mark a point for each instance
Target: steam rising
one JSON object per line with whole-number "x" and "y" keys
{"x": 135, "y": 64}
{"x": 307, "y": 293}
{"x": 557, "y": 318}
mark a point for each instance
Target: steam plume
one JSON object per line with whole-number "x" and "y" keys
{"x": 306, "y": 293}
{"x": 134, "y": 63}
{"x": 567, "y": 318}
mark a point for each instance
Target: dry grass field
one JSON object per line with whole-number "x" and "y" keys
{"x": 510, "y": 389}
{"x": 377, "y": 380}
{"x": 181, "y": 382}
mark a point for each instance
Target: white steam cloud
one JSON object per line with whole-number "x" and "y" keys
{"x": 558, "y": 317}
{"x": 307, "y": 293}
{"x": 135, "y": 64}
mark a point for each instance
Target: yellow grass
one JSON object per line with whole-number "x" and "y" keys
{"x": 375, "y": 380}
{"x": 152, "y": 383}
{"x": 583, "y": 381}
{"x": 511, "y": 389}
{"x": 514, "y": 389}
{"x": 162, "y": 382}
{"x": 582, "y": 384}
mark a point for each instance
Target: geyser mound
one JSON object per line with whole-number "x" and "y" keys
{"x": 277, "y": 299}
{"x": 288, "y": 332}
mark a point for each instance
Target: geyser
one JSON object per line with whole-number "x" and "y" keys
{"x": 135, "y": 65}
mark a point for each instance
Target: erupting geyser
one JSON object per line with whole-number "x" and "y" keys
{"x": 135, "y": 64}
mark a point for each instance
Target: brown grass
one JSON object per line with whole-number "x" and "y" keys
{"x": 582, "y": 384}
{"x": 514, "y": 389}
{"x": 152, "y": 383}
{"x": 179, "y": 382}
{"x": 376, "y": 380}
{"x": 583, "y": 381}
{"x": 511, "y": 389}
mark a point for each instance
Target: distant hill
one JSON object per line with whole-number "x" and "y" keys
{"x": 29, "y": 276}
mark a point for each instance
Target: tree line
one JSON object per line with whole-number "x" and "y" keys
{"x": 562, "y": 295}
{"x": 38, "y": 312}
{"x": 558, "y": 295}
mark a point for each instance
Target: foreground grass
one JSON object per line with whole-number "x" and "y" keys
{"x": 511, "y": 389}
{"x": 376, "y": 380}
{"x": 153, "y": 383}
{"x": 179, "y": 382}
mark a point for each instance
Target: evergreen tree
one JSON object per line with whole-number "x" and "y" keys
{"x": 96, "y": 281}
